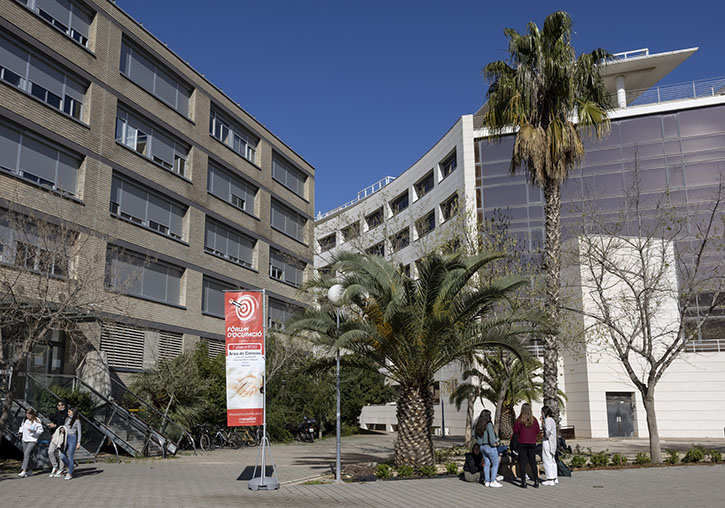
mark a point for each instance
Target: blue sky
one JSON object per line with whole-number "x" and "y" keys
{"x": 362, "y": 89}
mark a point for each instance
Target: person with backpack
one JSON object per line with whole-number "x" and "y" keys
{"x": 526, "y": 429}
{"x": 30, "y": 430}
{"x": 548, "y": 448}
{"x": 489, "y": 443}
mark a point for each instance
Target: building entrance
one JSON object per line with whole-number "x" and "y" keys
{"x": 620, "y": 414}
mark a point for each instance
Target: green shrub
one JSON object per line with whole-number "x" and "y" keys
{"x": 452, "y": 468}
{"x": 383, "y": 471}
{"x": 694, "y": 454}
{"x": 427, "y": 470}
{"x": 405, "y": 470}
{"x": 672, "y": 457}
{"x": 715, "y": 455}
{"x": 618, "y": 459}
{"x": 578, "y": 461}
{"x": 642, "y": 458}
{"x": 599, "y": 459}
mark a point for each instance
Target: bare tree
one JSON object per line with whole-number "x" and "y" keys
{"x": 647, "y": 278}
{"x": 51, "y": 279}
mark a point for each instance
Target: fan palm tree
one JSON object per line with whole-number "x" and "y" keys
{"x": 547, "y": 95}
{"x": 410, "y": 329}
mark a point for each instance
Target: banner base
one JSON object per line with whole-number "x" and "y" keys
{"x": 263, "y": 483}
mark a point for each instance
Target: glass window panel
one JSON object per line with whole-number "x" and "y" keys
{"x": 177, "y": 219}
{"x": 704, "y": 143}
{"x": 497, "y": 151}
{"x": 504, "y": 196}
{"x": 670, "y": 126}
{"x": 696, "y": 122}
{"x": 125, "y": 58}
{"x": 608, "y": 185}
{"x": 142, "y": 70}
{"x": 59, "y": 9}
{"x": 606, "y": 156}
{"x": 162, "y": 147}
{"x": 182, "y": 102}
{"x": 240, "y": 189}
{"x": 46, "y": 76}
{"x": 246, "y": 249}
{"x": 9, "y": 146}
{"x": 12, "y": 57}
{"x": 80, "y": 20}
{"x": 159, "y": 210}
{"x": 133, "y": 200}
{"x": 219, "y": 183}
{"x": 75, "y": 89}
{"x": 173, "y": 285}
{"x": 67, "y": 173}
{"x": 209, "y": 235}
{"x": 38, "y": 158}
{"x": 165, "y": 87}
{"x": 154, "y": 281}
{"x": 704, "y": 173}
{"x": 639, "y": 130}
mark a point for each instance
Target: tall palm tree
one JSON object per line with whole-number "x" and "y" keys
{"x": 409, "y": 329}
{"x": 547, "y": 95}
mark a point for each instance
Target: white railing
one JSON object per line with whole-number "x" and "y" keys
{"x": 635, "y": 53}
{"x": 675, "y": 92}
{"x": 367, "y": 191}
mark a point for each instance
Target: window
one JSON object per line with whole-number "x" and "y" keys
{"x": 135, "y": 275}
{"x": 68, "y": 17}
{"x": 426, "y": 224}
{"x": 328, "y": 242}
{"x": 123, "y": 345}
{"x": 224, "y": 242}
{"x": 142, "y": 69}
{"x": 41, "y": 79}
{"x": 377, "y": 250}
{"x": 400, "y": 240}
{"x": 22, "y": 154}
{"x": 171, "y": 345}
{"x": 231, "y": 188}
{"x": 425, "y": 185}
{"x": 374, "y": 219}
{"x": 215, "y": 347}
{"x": 351, "y": 232}
{"x": 233, "y": 135}
{"x": 285, "y": 173}
{"x": 35, "y": 246}
{"x": 280, "y": 312}
{"x": 151, "y": 142}
{"x": 288, "y": 221}
{"x": 131, "y": 202}
{"x": 448, "y": 165}
{"x": 400, "y": 203}
{"x": 449, "y": 207}
{"x": 212, "y": 296}
{"x": 285, "y": 268}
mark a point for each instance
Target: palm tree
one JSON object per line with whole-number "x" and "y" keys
{"x": 410, "y": 329}
{"x": 547, "y": 94}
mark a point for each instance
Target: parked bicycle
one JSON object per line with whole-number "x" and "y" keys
{"x": 221, "y": 438}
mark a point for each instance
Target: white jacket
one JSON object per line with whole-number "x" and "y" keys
{"x": 58, "y": 438}
{"x": 31, "y": 430}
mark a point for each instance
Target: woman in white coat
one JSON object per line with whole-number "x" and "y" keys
{"x": 31, "y": 429}
{"x": 548, "y": 448}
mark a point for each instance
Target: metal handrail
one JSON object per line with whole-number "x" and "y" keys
{"x": 367, "y": 191}
{"x": 674, "y": 92}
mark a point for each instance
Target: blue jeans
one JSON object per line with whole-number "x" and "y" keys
{"x": 70, "y": 452}
{"x": 490, "y": 463}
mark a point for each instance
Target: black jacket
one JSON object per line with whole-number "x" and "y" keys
{"x": 59, "y": 417}
{"x": 473, "y": 463}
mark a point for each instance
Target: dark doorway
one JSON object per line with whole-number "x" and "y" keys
{"x": 620, "y": 414}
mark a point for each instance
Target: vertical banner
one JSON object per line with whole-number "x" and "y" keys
{"x": 244, "y": 321}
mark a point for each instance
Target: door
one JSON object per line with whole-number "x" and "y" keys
{"x": 620, "y": 414}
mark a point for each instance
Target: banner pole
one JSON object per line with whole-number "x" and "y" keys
{"x": 264, "y": 389}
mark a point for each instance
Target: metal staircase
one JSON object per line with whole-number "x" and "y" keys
{"x": 126, "y": 420}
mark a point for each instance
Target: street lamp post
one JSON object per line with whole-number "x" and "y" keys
{"x": 334, "y": 295}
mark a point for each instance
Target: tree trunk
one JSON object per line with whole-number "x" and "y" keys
{"x": 654, "y": 434}
{"x": 414, "y": 445}
{"x": 508, "y": 418}
{"x": 552, "y": 266}
{"x": 469, "y": 420}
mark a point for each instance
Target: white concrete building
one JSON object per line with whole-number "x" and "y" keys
{"x": 677, "y": 135}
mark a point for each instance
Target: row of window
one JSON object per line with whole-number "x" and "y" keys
{"x": 422, "y": 186}
{"x": 35, "y": 75}
{"x": 70, "y": 18}
{"x": 400, "y": 239}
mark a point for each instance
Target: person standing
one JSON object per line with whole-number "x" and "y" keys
{"x": 56, "y": 422}
{"x": 31, "y": 429}
{"x": 488, "y": 441}
{"x": 73, "y": 440}
{"x": 526, "y": 429}
{"x": 548, "y": 447}
{"x": 472, "y": 466}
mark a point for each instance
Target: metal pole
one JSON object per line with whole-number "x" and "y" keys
{"x": 443, "y": 410}
{"x": 264, "y": 388}
{"x": 338, "y": 478}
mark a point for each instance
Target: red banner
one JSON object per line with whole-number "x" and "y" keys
{"x": 244, "y": 321}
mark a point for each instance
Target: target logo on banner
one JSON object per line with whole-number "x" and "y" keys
{"x": 245, "y": 306}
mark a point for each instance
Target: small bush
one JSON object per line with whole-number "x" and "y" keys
{"x": 578, "y": 461}
{"x": 672, "y": 457}
{"x": 405, "y": 470}
{"x": 599, "y": 459}
{"x": 694, "y": 454}
{"x": 642, "y": 458}
{"x": 618, "y": 459}
{"x": 715, "y": 455}
{"x": 383, "y": 471}
{"x": 452, "y": 468}
{"x": 427, "y": 470}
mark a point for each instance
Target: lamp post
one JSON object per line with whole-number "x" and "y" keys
{"x": 334, "y": 295}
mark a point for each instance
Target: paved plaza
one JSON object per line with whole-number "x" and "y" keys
{"x": 211, "y": 479}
